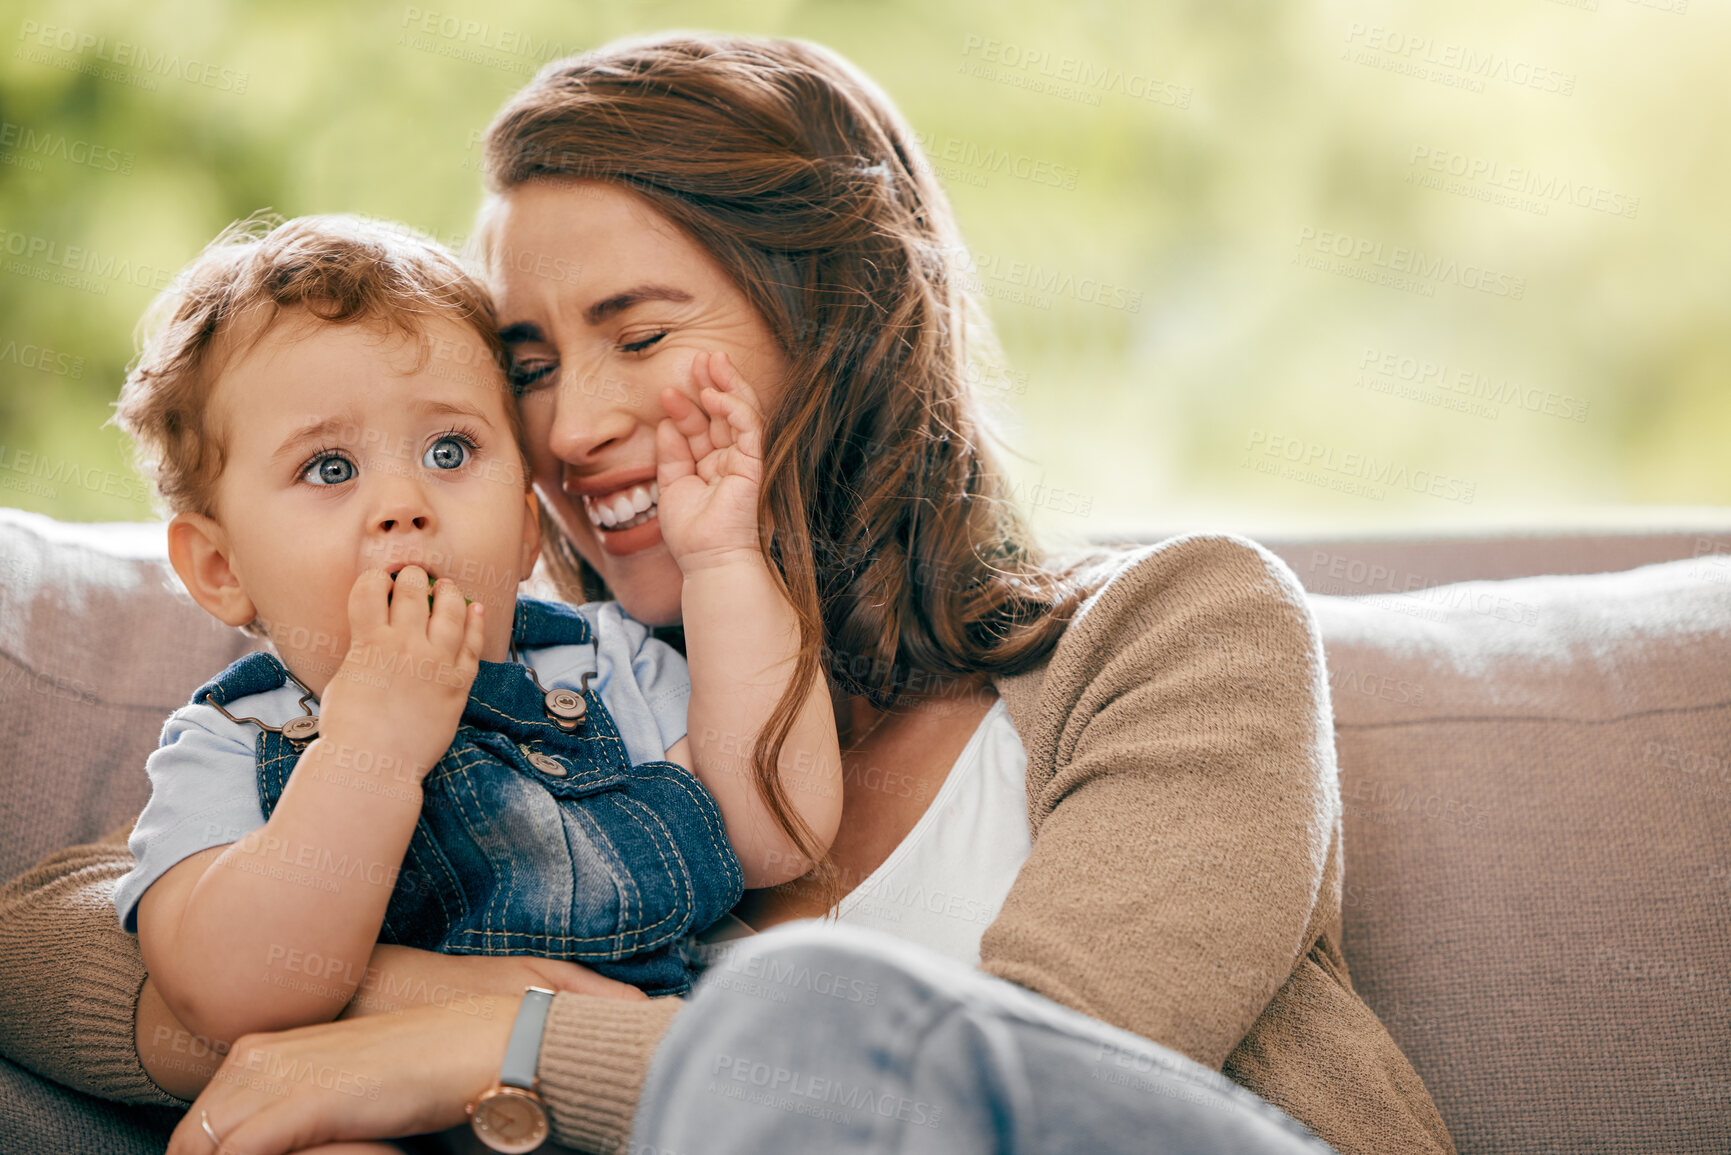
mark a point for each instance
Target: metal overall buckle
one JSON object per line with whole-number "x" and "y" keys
{"x": 297, "y": 730}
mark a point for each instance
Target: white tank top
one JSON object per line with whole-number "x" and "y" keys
{"x": 944, "y": 883}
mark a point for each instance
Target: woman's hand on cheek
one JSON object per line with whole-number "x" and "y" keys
{"x": 372, "y": 1078}
{"x": 709, "y": 460}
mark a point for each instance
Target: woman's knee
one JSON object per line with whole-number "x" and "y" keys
{"x": 774, "y": 999}
{"x": 815, "y": 969}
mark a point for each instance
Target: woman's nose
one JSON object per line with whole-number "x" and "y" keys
{"x": 591, "y": 413}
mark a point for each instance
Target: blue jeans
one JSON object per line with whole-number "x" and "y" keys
{"x": 825, "y": 1038}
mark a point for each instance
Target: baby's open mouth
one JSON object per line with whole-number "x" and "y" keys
{"x": 626, "y": 509}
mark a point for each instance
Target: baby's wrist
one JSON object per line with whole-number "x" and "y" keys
{"x": 369, "y": 754}
{"x": 719, "y": 563}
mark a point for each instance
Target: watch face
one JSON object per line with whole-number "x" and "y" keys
{"x": 510, "y": 1119}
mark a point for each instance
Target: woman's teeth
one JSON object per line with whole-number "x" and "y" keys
{"x": 627, "y": 509}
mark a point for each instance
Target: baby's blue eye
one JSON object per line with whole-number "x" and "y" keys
{"x": 330, "y": 470}
{"x": 446, "y": 453}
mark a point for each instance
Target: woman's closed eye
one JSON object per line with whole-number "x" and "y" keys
{"x": 641, "y": 344}
{"x": 527, "y": 372}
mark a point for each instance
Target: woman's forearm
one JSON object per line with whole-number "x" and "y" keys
{"x": 595, "y": 1057}
{"x": 70, "y": 976}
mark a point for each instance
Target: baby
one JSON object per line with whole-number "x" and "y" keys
{"x": 426, "y": 759}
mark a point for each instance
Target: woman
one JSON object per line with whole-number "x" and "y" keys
{"x": 1166, "y": 858}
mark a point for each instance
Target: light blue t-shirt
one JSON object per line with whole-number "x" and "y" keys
{"x": 203, "y": 774}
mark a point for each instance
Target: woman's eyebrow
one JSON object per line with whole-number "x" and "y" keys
{"x": 619, "y": 302}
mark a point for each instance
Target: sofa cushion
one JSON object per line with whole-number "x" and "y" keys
{"x": 1536, "y": 777}
{"x": 44, "y": 1118}
{"x": 98, "y": 644}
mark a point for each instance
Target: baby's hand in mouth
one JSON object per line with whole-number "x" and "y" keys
{"x": 467, "y": 600}
{"x": 406, "y": 676}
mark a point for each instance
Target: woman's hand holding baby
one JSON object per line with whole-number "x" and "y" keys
{"x": 399, "y": 977}
{"x": 401, "y": 688}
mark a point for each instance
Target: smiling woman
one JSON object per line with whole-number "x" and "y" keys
{"x": 592, "y": 352}
{"x": 1132, "y": 831}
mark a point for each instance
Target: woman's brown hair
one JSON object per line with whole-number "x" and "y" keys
{"x": 889, "y": 522}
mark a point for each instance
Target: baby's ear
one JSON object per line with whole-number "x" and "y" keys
{"x": 531, "y": 537}
{"x": 198, "y": 549}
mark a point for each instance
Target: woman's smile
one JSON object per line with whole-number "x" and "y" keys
{"x": 621, "y": 506}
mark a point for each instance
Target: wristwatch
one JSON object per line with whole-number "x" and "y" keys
{"x": 509, "y": 1115}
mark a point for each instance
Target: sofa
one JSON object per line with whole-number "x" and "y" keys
{"x": 1534, "y": 736}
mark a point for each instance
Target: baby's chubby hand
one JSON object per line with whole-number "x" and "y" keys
{"x": 709, "y": 466}
{"x": 401, "y": 688}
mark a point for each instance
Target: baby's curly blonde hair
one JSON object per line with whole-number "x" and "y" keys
{"x": 339, "y": 268}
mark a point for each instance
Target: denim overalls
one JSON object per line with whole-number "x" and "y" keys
{"x": 583, "y": 857}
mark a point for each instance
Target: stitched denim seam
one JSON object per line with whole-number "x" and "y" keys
{"x": 703, "y": 803}
{"x": 487, "y": 938}
{"x": 624, "y": 881}
{"x": 614, "y": 745}
{"x": 430, "y": 849}
{"x": 466, "y": 801}
{"x": 616, "y": 939}
{"x": 493, "y": 941}
{"x": 682, "y": 879}
{"x": 596, "y": 775}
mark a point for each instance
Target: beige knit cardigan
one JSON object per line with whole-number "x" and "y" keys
{"x": 1184, "y": 883}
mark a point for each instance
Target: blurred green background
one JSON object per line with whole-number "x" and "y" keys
{"x": 1288, "y": 265}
